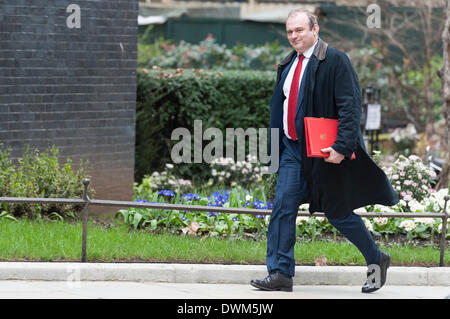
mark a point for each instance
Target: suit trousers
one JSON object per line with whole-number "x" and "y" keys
{"x": 289, "y": 193}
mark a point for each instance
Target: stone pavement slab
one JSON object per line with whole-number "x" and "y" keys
{"x": 214, "y": 273}
{"x": 27, "y": 289}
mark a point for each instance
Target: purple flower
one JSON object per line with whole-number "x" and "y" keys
{"x": 190, "y": 197}
{"x": 168, "y": 193}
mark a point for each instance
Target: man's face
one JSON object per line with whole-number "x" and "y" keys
{"x": 299, "y": 34}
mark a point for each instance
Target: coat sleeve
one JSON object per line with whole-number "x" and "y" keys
{"x": 347, "y": 98}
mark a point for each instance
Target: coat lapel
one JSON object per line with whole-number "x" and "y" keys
{"x": 309, "y": 78}
{"x": 286, "y": 72}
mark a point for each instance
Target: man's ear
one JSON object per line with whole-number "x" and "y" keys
{"x": 316, "y": 29}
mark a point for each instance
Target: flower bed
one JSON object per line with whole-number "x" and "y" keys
{"x": 255, "y": 226}
{"x": 408, "y": 175}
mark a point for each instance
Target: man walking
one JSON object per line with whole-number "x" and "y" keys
{"x": 317, "y": 80}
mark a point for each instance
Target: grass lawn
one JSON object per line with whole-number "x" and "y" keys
{"x": 26, "y": 240}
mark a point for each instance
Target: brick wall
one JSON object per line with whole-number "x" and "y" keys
{"x": 72, "y": 87}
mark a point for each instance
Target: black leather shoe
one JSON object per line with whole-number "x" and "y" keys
{"x": 275, "y": 281}
{"x": 384, "y": 265}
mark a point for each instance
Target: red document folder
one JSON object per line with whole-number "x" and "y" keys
{"x": 320, "y": 133}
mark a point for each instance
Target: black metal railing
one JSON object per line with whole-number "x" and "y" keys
{"x": 87, "y": 202}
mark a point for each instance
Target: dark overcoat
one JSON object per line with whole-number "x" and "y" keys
{"x": 330, "y": 89}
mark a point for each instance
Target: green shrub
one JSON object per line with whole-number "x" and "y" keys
{"x": 209, "y": 54}
{"x": 39, "y": 175}
{"x": 167, "y": 100}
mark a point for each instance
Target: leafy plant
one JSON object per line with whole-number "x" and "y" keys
{"x": 39, "y": 175}
{"x": 171, "y": 99}
{"x": 208, "y": 54}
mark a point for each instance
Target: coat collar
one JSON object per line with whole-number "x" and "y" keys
{"x": 319, "y": 51}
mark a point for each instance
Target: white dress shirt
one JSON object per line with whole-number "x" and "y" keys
{"x": 288, "y": 82}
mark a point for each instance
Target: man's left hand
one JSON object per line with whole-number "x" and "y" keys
{"x": 335, "y": 157}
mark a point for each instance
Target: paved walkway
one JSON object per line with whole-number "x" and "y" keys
{"x": 25, "y": 289}
{"x": 215, "y": 273}
{"x": 55, "y": 280}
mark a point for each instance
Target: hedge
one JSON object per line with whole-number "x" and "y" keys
{"x": 170, "y": 99}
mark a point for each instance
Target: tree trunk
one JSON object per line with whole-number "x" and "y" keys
{"x": 444, "y": 175}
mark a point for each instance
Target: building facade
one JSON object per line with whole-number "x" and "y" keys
{"x": 68, "y": 78}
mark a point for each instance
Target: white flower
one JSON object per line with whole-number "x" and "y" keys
{"x": 227, "y": 175}
{"x": 416, "y": 206}
{"x": 381, "y": 220}
{"x": 360, "y": 210}
{"x": 441, "y": 193}
{"x": 408, "y": 225}
{"x": 408, "y": 198}
{"x": 244, "y": 171}
{"x": 426, "y": 221}
{"x": 382, "y": 208}
{"x": 170, "y": 166}
{"x": 368, "y": 224}
{"x": 304, "y": 206}
{"x": 436, "y": 207}
{"x": 395, "y": 176}
{"x": 320, "y": 219}
{"x": 248, "y": 197}
{"x": 214, "y": 172}
{"x": 252, "y": 158}
{"x": 300, "y": 220}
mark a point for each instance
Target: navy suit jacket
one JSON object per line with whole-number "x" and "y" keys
{"x": 330, "y": 88}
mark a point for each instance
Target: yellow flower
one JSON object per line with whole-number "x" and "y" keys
{"x": 210, "y": 182}
{"x": 233, "y": 184}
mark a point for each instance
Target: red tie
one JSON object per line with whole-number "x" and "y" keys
{"x": 292, "y": 103}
